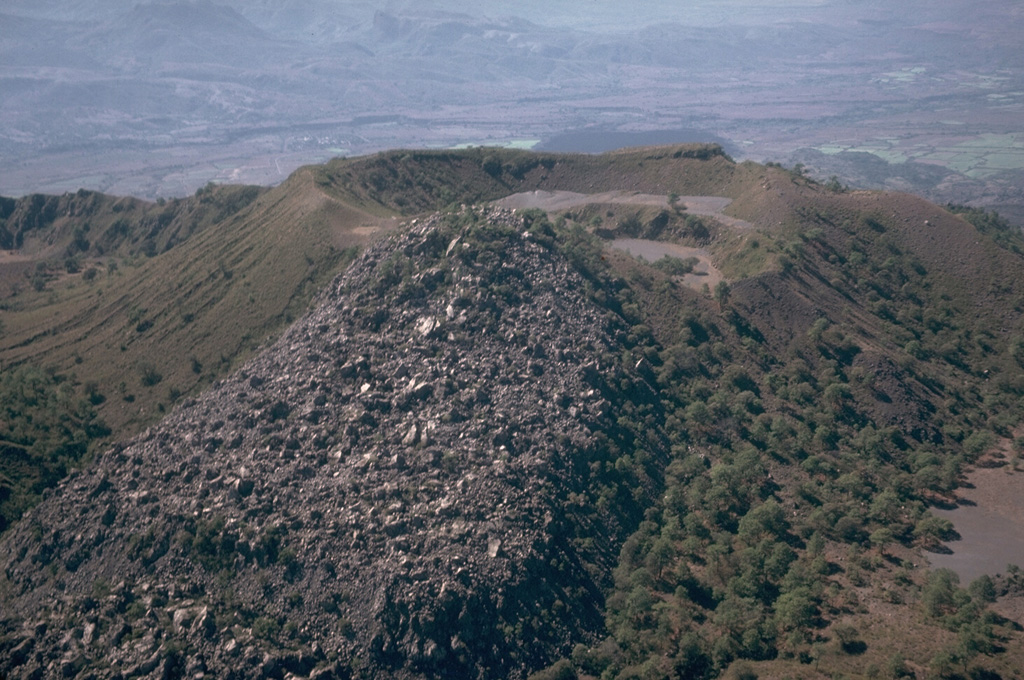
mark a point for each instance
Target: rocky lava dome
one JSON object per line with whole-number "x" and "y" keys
{"x": 395, "y": 488}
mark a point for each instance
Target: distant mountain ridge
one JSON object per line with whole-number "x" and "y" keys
{"x": 158, "y": 98}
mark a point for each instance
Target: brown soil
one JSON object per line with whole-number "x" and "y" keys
{"x": 704, "y": 272}
{"x": 14, "y": 272}
{"x": 990, "y": 521}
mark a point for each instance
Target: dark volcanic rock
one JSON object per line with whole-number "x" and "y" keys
{"x": 403, "y": 485}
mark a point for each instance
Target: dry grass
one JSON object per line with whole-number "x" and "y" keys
{"x": 189, "y": 314}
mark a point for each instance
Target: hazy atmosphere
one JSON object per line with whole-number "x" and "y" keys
{"x": 159, "y": 98}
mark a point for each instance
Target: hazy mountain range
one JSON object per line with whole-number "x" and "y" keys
{"x": 160, "y": 98}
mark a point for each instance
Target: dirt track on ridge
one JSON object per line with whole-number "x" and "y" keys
{"x": 553, "y": 201}
{"x": 705, "y": 273}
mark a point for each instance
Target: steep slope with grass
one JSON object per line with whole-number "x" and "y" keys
{"x": 145, "y": 329}
{"x": 414, "y": 181}
{"x": 132, "y": 320}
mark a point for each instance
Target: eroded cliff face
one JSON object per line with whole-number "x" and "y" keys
{"x": 417, "y": 479}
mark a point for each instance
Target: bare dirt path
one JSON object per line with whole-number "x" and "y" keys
{"x": 704, "y": 273}
{"x": 13, "y": 256}
{"x": 554, "y": 201}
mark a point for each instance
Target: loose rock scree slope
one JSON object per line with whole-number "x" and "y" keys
{"x": 383, "y": 492}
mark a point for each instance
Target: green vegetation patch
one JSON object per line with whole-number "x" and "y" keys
{"x": 793, "y": 506}
{"x": 48, "y": 425}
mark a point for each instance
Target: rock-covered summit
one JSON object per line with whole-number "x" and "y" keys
{"x": 416, "y": 480}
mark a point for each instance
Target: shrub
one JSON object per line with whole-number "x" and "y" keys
{"x": 560, "y": 670}
{"x": 150, "y": 376}
{"x": 674, "y": 266}
{"x": 266, "y": 628}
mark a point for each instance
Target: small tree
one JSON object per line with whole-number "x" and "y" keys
{"x": 818, "y": 328}
{"x": 983, "y": 589}
{"x": 939, "y": 593}
{"x": 848, "y": 639}
{"x": 896, "y": 667}
{"x": 931, "y": 530}
{"x": 150, "y": 376}
{"x": 834, "y": 185}
{"x": 492, "y": 165}
{"x": 560, "y": 670}
{"x": 881, "y": 538}
{"x": 673, "y": 202}
{"x": 39, "y": 281}
{"x": 722, "y": 292}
